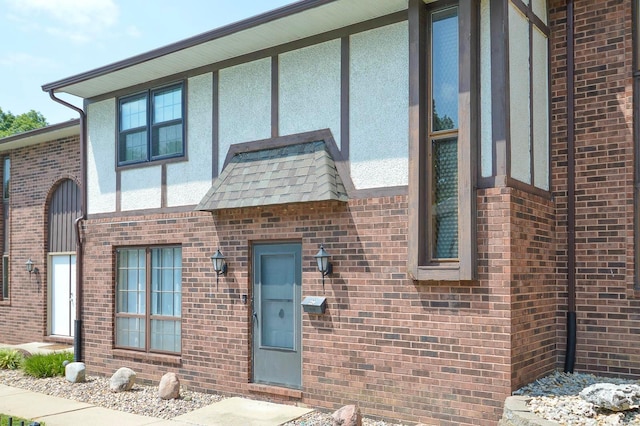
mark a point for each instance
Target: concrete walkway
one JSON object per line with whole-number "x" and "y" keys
{"x": 56, "y": 411}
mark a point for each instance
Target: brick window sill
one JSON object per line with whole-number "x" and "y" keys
{"x": 275, "y": 390}
{"x": 147, "y": 357}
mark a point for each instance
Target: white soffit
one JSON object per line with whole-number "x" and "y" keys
{"x": 44, "y": 134}
{"x": 225, "y": 45}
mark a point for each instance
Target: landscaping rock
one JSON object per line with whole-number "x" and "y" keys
{"x": 122, "y": 380}
{"x": 75, "y": 372}
{"x": 169, "y": 387}
{"x": 349, "y": 415}
{"x": 612, "y": 397}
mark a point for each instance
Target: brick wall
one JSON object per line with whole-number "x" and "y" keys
{"x": 35, "y": 172}
{"x": 430, "y": 352}
{"x": 606, "y": 304}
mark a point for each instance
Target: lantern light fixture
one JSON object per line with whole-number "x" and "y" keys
{"x": 29, "y": 266}
{"x": 219, "y": 265}
{"x": 324, "y": 266}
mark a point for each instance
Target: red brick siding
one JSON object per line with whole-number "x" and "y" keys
{"x": 35, "y": 172}
{"x": 431, "y": 352}
{"x": 607, "y": 307}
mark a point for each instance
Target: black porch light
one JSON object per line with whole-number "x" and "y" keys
{"x": 324, "y": 266}
{"x": 219, "y": 265}
{"x": 29, "y": 266}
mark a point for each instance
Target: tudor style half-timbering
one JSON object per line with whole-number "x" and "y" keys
{"x": 423, "y": 144}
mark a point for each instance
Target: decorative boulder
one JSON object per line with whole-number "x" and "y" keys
{"x": 349, "y": 415}
{"x": 75, "y": 372}
{"x": 612, "y": 397}
{"x": 122, "y": 380}
{"x": 169, "y": 387}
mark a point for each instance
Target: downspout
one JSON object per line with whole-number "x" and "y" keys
{"x": 77, "y": 326}
{"x": 570, "y": 355}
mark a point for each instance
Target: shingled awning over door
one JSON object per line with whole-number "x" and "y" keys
{"x": 294, "y": 173}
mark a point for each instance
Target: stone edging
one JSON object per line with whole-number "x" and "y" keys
{"x": 516, "y": 413}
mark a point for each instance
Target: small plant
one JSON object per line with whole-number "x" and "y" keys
{"x": 10, "y": 359}
{"x": 46, "y": 365}
{"x": 4, "y": 420}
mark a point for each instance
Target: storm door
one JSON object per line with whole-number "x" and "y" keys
{"x": 277, "y": 317}
{"x": 64, "y": 208}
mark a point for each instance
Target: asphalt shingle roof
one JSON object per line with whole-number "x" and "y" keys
{"x": 290, "y": 174}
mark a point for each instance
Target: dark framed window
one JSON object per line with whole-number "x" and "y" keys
{"x": 151, "y": 125}
{"x": 443, "y": 64}
{"x": 6, "y": 185}
{"x": 149, "y": 299}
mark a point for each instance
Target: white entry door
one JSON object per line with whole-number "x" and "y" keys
{"x": 63, "y": 294}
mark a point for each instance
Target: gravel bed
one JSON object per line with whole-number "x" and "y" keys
{"x": 142, "y": 399}
{"x": 555, "y": 397}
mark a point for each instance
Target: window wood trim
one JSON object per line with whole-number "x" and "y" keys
{"x": 465, "y": 267}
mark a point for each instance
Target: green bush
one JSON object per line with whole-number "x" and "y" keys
{"x": 10, "y": 359}
{"x": 4, "y": 420}
{"x": 46, "y": 365}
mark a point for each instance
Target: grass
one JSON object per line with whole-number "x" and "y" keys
{"x": 46, "y": 365}
{"x": 10, "y": 359}
{"x": 4, "y": 420}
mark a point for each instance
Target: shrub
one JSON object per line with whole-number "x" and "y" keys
{"x": 46, "y": 365}
{"x": 10, "y": 359}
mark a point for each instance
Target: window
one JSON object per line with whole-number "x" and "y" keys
{"x": 151, "y": 126}
{"x": 149, "y": 299}
{"x": 6, "y": 175}
{"x": 442, "y": 156}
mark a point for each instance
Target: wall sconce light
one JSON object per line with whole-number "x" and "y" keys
{"x": 219, "y": 265}
{"x": 29, "y": 265}
{"x": 324, "y": 266}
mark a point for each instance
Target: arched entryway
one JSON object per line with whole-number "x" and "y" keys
{"x": 64, "y": 208}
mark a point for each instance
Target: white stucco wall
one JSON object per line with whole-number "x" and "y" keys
{"x": 519, "y": 89}
{"x": 309, "y": 89}
{"x": 140, "y": 188}
{"x": 378, "y": 107}
{"x": 486, "y": 134}
{"x": 101, "y": 152}
{"x": 188, "y": 182}
{"x": 244, "y": 104}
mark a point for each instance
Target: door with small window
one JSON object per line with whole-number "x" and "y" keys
{"x": 277, "y": 317}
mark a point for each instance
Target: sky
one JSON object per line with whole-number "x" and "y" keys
{"x": 43, "y": 41}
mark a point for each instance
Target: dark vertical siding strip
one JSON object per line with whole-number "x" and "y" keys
{"x": 64, "y": 207}
{"x": 275, "y": 97}
{"x": 215, "y": 125}
{"x": 344, "y": 97}
{"x": 118, "y": 191}
{"x": 163, "y": 186}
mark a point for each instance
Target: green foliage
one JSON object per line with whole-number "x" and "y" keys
{"x": 11, "y": 124}
{"x": 10, "y": 359}
{"x": 46, "y": 365}
{"x": 4, "y": 420}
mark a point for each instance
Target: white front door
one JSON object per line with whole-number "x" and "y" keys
{"x": 63, "y": 294}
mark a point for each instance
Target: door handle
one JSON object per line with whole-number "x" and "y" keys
{"x": 255, "y": 317}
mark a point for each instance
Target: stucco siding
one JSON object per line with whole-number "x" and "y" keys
{"x": 378, "y": 113}
{"x": 188, "y": 182}
{"x": 101, "y": 148}
{"x": 244, "y": 104}
{"x": 309, "y": 89}
{"x": 141, "y": 188}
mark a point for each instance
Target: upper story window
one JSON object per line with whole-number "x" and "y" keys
{"x": 442, "y": 139}
{"x": 151, "y": 126}
{"x": 6, "y": 177}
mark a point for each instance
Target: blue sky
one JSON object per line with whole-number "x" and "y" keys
{"x": 48, "y": 40}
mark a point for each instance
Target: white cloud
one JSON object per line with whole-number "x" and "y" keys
{"x": 77, "y": 20}
{"x": 25, "y": 60}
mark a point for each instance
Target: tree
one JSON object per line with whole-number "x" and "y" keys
{"x": 11, "y": 124}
